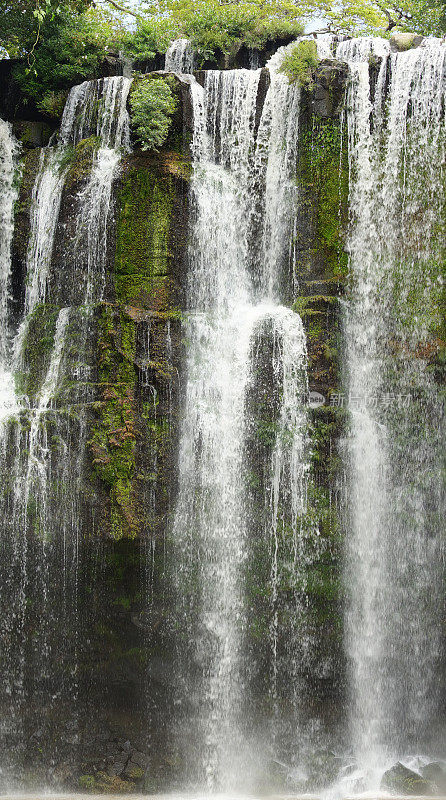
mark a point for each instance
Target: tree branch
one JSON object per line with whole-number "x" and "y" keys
{"x": 121, "y": 8}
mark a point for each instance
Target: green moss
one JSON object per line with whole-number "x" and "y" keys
{"x": 79, "y": 160}
{"x": 143, "y": 254}
{"x": 323, "y": 174}
{"x": 87, "y": 782}
{"x": 37, "y": 347}
{"x": 113, "y": 436}
{"x": 28, "y": 171}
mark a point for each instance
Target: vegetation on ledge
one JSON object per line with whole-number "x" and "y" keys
{"x": 152, "y": 104}
{"x": 299, "y": 64}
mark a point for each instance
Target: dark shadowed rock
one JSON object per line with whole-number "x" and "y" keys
{"x": 328, "y": 88}
{"x": 402, "y": 780}
{"x": 435, "y": 772}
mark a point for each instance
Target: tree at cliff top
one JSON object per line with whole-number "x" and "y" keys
{"x": 360, "y": 17}
{"x": 65, "y": 41}
{"x": 213, "y": 25}
{"x": 61, "y": 43}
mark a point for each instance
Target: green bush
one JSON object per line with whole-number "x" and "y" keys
{"x": 299, "y": 64}
{"x": 270, "y": 29}
{"x": 53, "y": 103}
{"x": 152, "y": 104}
{"x": 153, "y": 35}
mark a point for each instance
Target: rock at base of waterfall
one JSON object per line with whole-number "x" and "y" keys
{"x": 323, "y": 769}
{"x": 404, "y": 41}
{"x": 436, "y": 773}
{"x": 402, "y": 780}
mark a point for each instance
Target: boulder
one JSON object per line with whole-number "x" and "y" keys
{"x": 404, "y": 41}
{"x": 435, "y": 772}
{"x": 402, "y": 780}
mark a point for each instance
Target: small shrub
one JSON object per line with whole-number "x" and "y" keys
{"x": 152, "y": 104}
{"x": 299, "y": 64}
{"x": 53, "y": 104}
{"x": 87, "y": 782}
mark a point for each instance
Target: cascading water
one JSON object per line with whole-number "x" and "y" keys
{"x": 43, "y": 446}
{"x": 179, "y": 57}
{"x": 394, "y": 550}
{"x": 246, "y": 543}
{"x": 8, "y": 194}
{"x": 229, "y": 305}
{"x": 104, "y": 115}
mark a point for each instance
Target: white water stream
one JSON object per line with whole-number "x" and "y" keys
{"x": 179, "y": 57}
{"x": 394, "y": 550}
{"x": 231, "y": 297}
{"x": 8, "y": 194}
{"x": 40, "y": 449}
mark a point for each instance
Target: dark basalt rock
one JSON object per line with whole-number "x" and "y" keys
{"x": 402, "y": 780}
{"x": 328, "y": 90}
{"x": 436, "y": 773}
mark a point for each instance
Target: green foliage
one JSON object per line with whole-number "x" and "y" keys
{"x": 70, "y": 48}
{"x": 299, "y": 64}
{"x": 152, "y": 104}
{"x": 360, "y": 17}
{"x": 153, "y": 35}
{"x": 23, "y": 23}
{"x": 213, "y": 26}
{"x": 53, "y": 103}
{"x": 270, "y": 29}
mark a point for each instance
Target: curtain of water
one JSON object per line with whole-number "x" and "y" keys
{"x": 8, "y": 194}
{"x": 231, "y": 297}
{"x": 393, "y": 569}
{"x": 179, "y": 57}
{"x": 43, "y": 449}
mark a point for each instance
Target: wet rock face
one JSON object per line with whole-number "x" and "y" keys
{"x": 402, "y": 780}
{"x": 435, "y": 773}
{"x": 327, "y": 95}
{"x": 135, "y": 355}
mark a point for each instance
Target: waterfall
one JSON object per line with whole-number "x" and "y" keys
{"x": 179, "y": 57}
{"x": 8, "y": 195}
{"x": 394, "y": 552}
{"x": 43, "y": 446}
{"x": 286, "y": 493}
{"x": 231, "y": 299}
{"x": 104, "y": 115}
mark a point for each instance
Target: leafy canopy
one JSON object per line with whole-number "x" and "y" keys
{"x": 212, "y": 25}
{"x": 71, "y": 48}
{"x": 64, "y": 41}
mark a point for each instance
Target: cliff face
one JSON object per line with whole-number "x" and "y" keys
{"x": 112, "y": 444}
